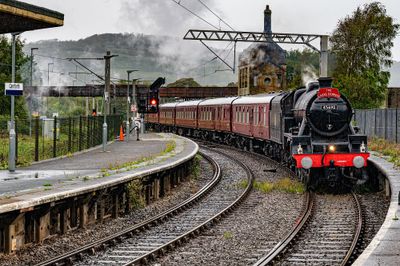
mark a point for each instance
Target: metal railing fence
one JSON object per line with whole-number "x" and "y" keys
{"x": 40, "y": 139}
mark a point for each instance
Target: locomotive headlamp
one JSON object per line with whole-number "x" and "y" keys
{"x": 331, "y": 148}
{"x": 358, "y": 161}
{"x": 362, "y": 147}
{"x": 306, "y": 162}
{"x": 299, "y": 149}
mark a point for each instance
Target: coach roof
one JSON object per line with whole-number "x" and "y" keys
{"x": 218, "y": 101}
{"x": 189, "y": 103}
{"x": 255, "y": 99}
{"x": 168, "y": 105}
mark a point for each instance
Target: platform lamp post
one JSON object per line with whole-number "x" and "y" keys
{"x": 128, "y": 101}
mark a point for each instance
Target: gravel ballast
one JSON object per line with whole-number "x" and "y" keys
{"x": 57, "y": 245}
{"x": 251, "y": 230}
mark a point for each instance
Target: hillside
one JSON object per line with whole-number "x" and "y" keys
{"x": 154, "y": 56}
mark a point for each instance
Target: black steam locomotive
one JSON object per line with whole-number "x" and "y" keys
{"x": 309, "y": 129}
{"x": 324, "y": 145}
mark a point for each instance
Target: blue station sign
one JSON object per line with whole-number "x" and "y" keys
{"x": 14, "y": 89}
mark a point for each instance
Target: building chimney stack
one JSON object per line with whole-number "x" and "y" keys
{"x": 267, "y": 20}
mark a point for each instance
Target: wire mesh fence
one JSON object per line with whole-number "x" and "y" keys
{"x": 45, "y": 138}
{"x": 380, "y": 123}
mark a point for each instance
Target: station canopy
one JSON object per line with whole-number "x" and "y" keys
{"x": 16, "y": 16}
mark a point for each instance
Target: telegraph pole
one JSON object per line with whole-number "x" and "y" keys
{"x": 31, "y": 80}
{"x": 107, "y": 77}
{"x": 128, "y": 101}
{"x": 48, "y": 73}
{"x": 30, "y": 105}
{"x": 106, "y": 97}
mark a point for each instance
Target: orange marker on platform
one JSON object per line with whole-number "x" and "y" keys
{"x": 121, "y": 134}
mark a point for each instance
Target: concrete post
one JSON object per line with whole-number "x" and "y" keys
{"x": 9, "y": 239}
{"x": 115, "y": 208}
{"x": 64, "y": 220}
{"x": 83, "y": 215}
{"x": 42, "y": 225}
{"x": 73, "y": 214}
{"x": 323, "y": 60}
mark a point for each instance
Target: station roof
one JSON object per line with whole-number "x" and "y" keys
{"x": 16, "y": 16}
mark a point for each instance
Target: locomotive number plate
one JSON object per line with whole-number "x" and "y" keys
{"x": 329, "y": 107}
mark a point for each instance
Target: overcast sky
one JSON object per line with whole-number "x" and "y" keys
{"x": 163, "y": 17}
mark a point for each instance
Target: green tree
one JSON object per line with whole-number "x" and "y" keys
{"x": 5, "y": 76}
{"x": 300, "y": 64}
{"x": 184, "y": 82}
{"x": 362, "y": 43}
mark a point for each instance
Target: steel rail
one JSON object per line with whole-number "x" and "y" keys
{"x": 280, "y": 248}
{"x": 287, "y": 240}
{"x": 68, "y": 258}
{"x": 180, "y": 239}
{"x": 357, "y": 235}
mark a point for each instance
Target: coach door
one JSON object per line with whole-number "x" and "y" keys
{"x": 251, "y": 119}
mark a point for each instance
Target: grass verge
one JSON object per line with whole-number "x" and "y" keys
{"x": 286, "y": 184}
{"x": 386, "y": 148}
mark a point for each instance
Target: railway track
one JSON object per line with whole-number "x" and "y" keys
{"x": 157, "y": 235}
{"x": 327, "y": 233}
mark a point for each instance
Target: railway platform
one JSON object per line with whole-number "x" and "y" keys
{"x": 54, "y": 196}
{"x": 82, "y": 167}
{"x": 384, "y": 249}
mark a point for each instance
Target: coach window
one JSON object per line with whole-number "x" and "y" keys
{"x": 256, "y": 115}
{"x": 265, "y": 116}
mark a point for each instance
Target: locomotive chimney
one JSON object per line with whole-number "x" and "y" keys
{"x": 267, "y": 20}
{"x": 325, "y": 82}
